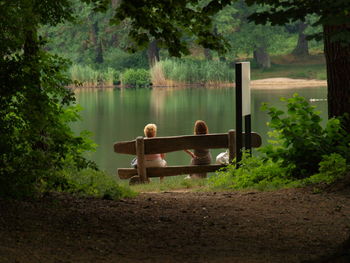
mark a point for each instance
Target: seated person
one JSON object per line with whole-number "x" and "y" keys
{"x": 153, "y": 160}
{"x": 199, "y": 156}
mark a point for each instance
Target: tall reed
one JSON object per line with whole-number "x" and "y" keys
{"x": 89, "y": 77}
{"x": 186, "y": 71}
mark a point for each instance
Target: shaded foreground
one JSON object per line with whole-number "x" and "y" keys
{"x": 284, "y": 226}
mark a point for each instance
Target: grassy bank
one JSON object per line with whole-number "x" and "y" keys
{"x": 288, "y": 66}
{"x": 177, "y": 72}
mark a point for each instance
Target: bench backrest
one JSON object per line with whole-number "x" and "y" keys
{"x": 178, "y": 143}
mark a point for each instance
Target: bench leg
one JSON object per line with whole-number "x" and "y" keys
{"x": 140, "y": 153}
{"x": 135, "y": 180}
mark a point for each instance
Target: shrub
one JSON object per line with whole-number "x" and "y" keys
{"x": 254, "y": 172}
{"x": 36, "y": 139}
{"x": 303, "y": 152}
{"x": 259, "y": 173}
{"x": 300, "y": 140}
{"x": 331, "y": 168}
{"x": 136, "y": 78}
{"x": 121, "y": 60}
{"x": 87, "y": 182}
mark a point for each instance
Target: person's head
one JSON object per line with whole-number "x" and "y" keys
{"x": 150, "y": 130}
{"x": 200, "y": 127}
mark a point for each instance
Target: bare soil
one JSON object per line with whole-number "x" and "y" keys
{"x": 291, "y": 225}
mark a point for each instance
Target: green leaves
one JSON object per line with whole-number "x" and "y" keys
{"x": 328, "y": 12}
{"x": 35, "y": 141}
{"x": 170, "y": 21}
{"x": 136, "y": 78}
{"x": 254, "y": 172}
{"x": 302, "y": 152}
{"x": 302, "y": 139}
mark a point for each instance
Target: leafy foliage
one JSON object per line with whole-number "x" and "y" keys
{"x": 301, "y": 140}
{"x": 169, "y": 21}
{"x": 35, "y": 107}
{"x": 261, "y": 174}
{"x": 331, "y": 168}
{"x": 87, "y": 182}
{"x": 301, "y": 153}
{"x": 245, "y": 37}
{"x": 136, "y": 78}
{"x": 328, "y": 12}
{"x": 254, "y": 172}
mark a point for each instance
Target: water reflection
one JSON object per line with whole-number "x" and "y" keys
{"x": 120, "y": 114}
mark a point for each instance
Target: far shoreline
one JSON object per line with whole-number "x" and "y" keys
{"x": 266, "y": 83}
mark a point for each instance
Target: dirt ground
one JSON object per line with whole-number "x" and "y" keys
{"x": 293, "y": 225}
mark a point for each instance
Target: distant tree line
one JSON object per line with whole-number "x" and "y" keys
{"x": 92, "y": 38}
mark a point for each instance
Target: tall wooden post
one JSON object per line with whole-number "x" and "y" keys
{"x": 238, "y": 113}
{"x": 242, "y": 108}
{"x": 248, "y": 133}
{"x": 246, "y": 104}
{"x": 231, "y": 145}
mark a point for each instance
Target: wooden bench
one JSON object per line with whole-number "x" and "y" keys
{"x": 142, "y": 146}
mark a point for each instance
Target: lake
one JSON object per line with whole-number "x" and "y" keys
{"x": 121, "y": 114}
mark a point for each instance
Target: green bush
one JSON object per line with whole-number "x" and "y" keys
{"x": 331, "y": 168}
{"x": 300, "y": 140}
{"x": 87, "y": 182}
{"x": 261, "y": 174}
{"x": 254, "y": 172}
{"x": 302, "y": 152}
{"x": 136, "y": 78}
{"x": 78, "y": 175}
{"x": 35, "y": 136}
{"x": 121, "y": 60}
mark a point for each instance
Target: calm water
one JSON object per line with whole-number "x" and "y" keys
{"x": 119, "y": 115}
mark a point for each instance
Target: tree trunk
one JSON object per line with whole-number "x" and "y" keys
{"x": 153, "y": 53}
{"x": 30, "y": 47}
{"x": 97, "y": 43}
{"x": 114, "y": 40}
{"x": 99, "y": 53}
{"x": 207, "y": 54}
{"x": 262, "y": 58}
{"x": 93, "y": 33}
{"x": 338, "y": 77}
{"x": 302, "y": 48}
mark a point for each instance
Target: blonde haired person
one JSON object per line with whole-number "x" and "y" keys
{"x": 199, "y": 156}
{"x": 153, "y": 160}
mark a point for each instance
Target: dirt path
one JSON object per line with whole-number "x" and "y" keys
{"x": 283, "y": 226}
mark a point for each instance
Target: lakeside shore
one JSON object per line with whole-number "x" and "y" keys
{"x": 266, "y": 83}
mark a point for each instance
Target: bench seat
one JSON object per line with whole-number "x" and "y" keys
{"x": 126, "y": 173}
